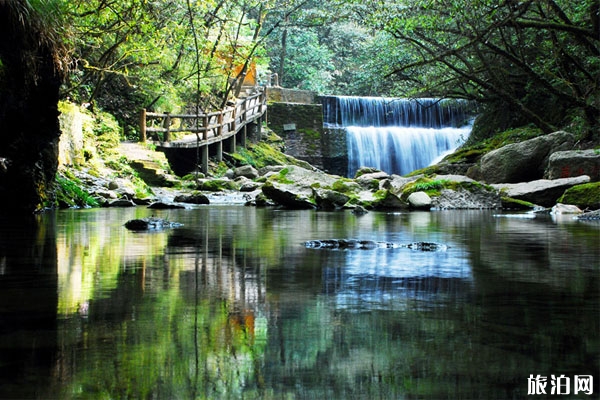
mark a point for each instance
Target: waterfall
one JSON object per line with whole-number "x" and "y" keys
{"x": 397, "y": 135}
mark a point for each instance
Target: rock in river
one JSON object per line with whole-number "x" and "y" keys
{"x": 355, "y": 244}
{"x": 150, "y": 224}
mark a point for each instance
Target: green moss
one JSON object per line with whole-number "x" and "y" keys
{"x": 427, "y": 171}
{"x": 364, "y": 171}
{"x": 189, "y": 177}
{"x": 69, "y": 193}
{"x": 311, "y": 139}
{"x": 345, "y": 186}
{"x": 471, "y": 152}
{"x": 433, "y": 187}
{"x": 428, "y": 185}
{"x": 508, "y": 203}
{"x": 583, "y": 196}
{"x": 425, "y": 185}
{"x": 281, "y": 177}
{"x": 380, "y": 194}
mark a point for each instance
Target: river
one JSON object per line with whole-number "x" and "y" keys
{"x": 233, "y": 305}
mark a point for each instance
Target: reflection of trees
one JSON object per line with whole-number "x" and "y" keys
{"x": 28, "y": 300}
{"x": 185, "y": 324}
{"x": 188, "y": 314}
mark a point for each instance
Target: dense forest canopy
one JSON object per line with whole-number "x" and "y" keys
{"x": 536, "y": 60}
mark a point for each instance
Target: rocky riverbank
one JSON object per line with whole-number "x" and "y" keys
{"x": 298, "y": 185}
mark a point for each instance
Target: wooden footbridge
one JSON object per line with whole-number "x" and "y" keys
{"x": 204, "y": 132}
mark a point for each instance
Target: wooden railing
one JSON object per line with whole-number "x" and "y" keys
{"x": 203, "y": 129}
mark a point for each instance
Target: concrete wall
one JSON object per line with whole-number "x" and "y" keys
{"x": 301, "y": 127}
{"x": 282, "y": 95}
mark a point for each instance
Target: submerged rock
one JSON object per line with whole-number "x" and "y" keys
{"x": 359, "y": 210}
{"x": 193, "y": 198}
{"x": 589, "y": 216}
{"x": 159, "y": 205}
{"x": 355, "y": 244}
{"x": 121, "y": 203}
{"x": 150, "y": 224}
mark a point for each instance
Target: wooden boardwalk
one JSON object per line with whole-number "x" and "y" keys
{"x": 203, "y": 130}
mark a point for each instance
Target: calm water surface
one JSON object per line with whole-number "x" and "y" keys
{"x": 233, "y": 305}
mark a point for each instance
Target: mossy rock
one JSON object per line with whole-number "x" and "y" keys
{"x": 261, "y": 154}
{"x": 365, "y": 170}
{"x": 69, "y": 193}
{"x": 508, "y": 203}
{"x": 385, "y": 199}
{"x": 346, "y": 186}
{"x": 583, "y": 196}
{"x": 281, "y": 177}
{"x": 428, "y": 185}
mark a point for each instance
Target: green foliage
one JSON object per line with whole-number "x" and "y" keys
{"x": 308, "y": 61}
{"x": 262, "y": 154}
{"x": 508, "y": 203}
{"x": 69, "y": 194}
{"x": 433, "y": 186}
{"x": 107, "y": 131}
{"x": 220, "y": 169}
{"x": 163, "y": 56}
{"x": 531, "y": 61}
{"x": 427, "y": 185}
{"x": 585, "y": 196}
{"x": 281, "y": 177}
{"x": 346, "y": 186}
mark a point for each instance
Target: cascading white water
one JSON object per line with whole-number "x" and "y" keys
{"x": 397, "y": 135}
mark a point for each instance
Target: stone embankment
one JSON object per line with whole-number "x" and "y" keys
{"x": 482, "y": 187}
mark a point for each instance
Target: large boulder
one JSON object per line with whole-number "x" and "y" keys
{"x": 383, "y": 200}
{"x": 586, "y": 196}
{"x": 192, "y": 198}
{"x": 419, "y": 201}
{"x": 247, "y": 171}
{"x": 543, "y": 192}
{"x": 523, "y": 161}
{"x": 566, "y": 164}
{"x": 292, "y": 187}
{"x": 468, "y": 197}
{"x": 328, "y": 199}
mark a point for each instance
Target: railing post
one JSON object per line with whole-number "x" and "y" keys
{"x": 143, "y": 126}
{"x": 234, "y": 125}
{"x": 220, "y": 124}
{"x": 205, "y": 124}
{"x": 244, "y": 110}
{"x": 167, "y": 125}
{"x": 220, "y": 151}
{"x": 244, "y": 135}
{"x": 204, "y": 159}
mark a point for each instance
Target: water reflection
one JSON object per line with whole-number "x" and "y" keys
{"x": 232, "y": 305}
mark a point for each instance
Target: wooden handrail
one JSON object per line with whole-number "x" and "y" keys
{"x": 222, "y": 124}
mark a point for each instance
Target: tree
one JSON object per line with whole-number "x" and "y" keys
{"x": 537, "y": 61}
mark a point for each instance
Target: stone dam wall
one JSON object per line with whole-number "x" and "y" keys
{"x": 301, "y": 127}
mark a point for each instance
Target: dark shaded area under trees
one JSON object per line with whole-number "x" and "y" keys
{"x": 30, "y": 78}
